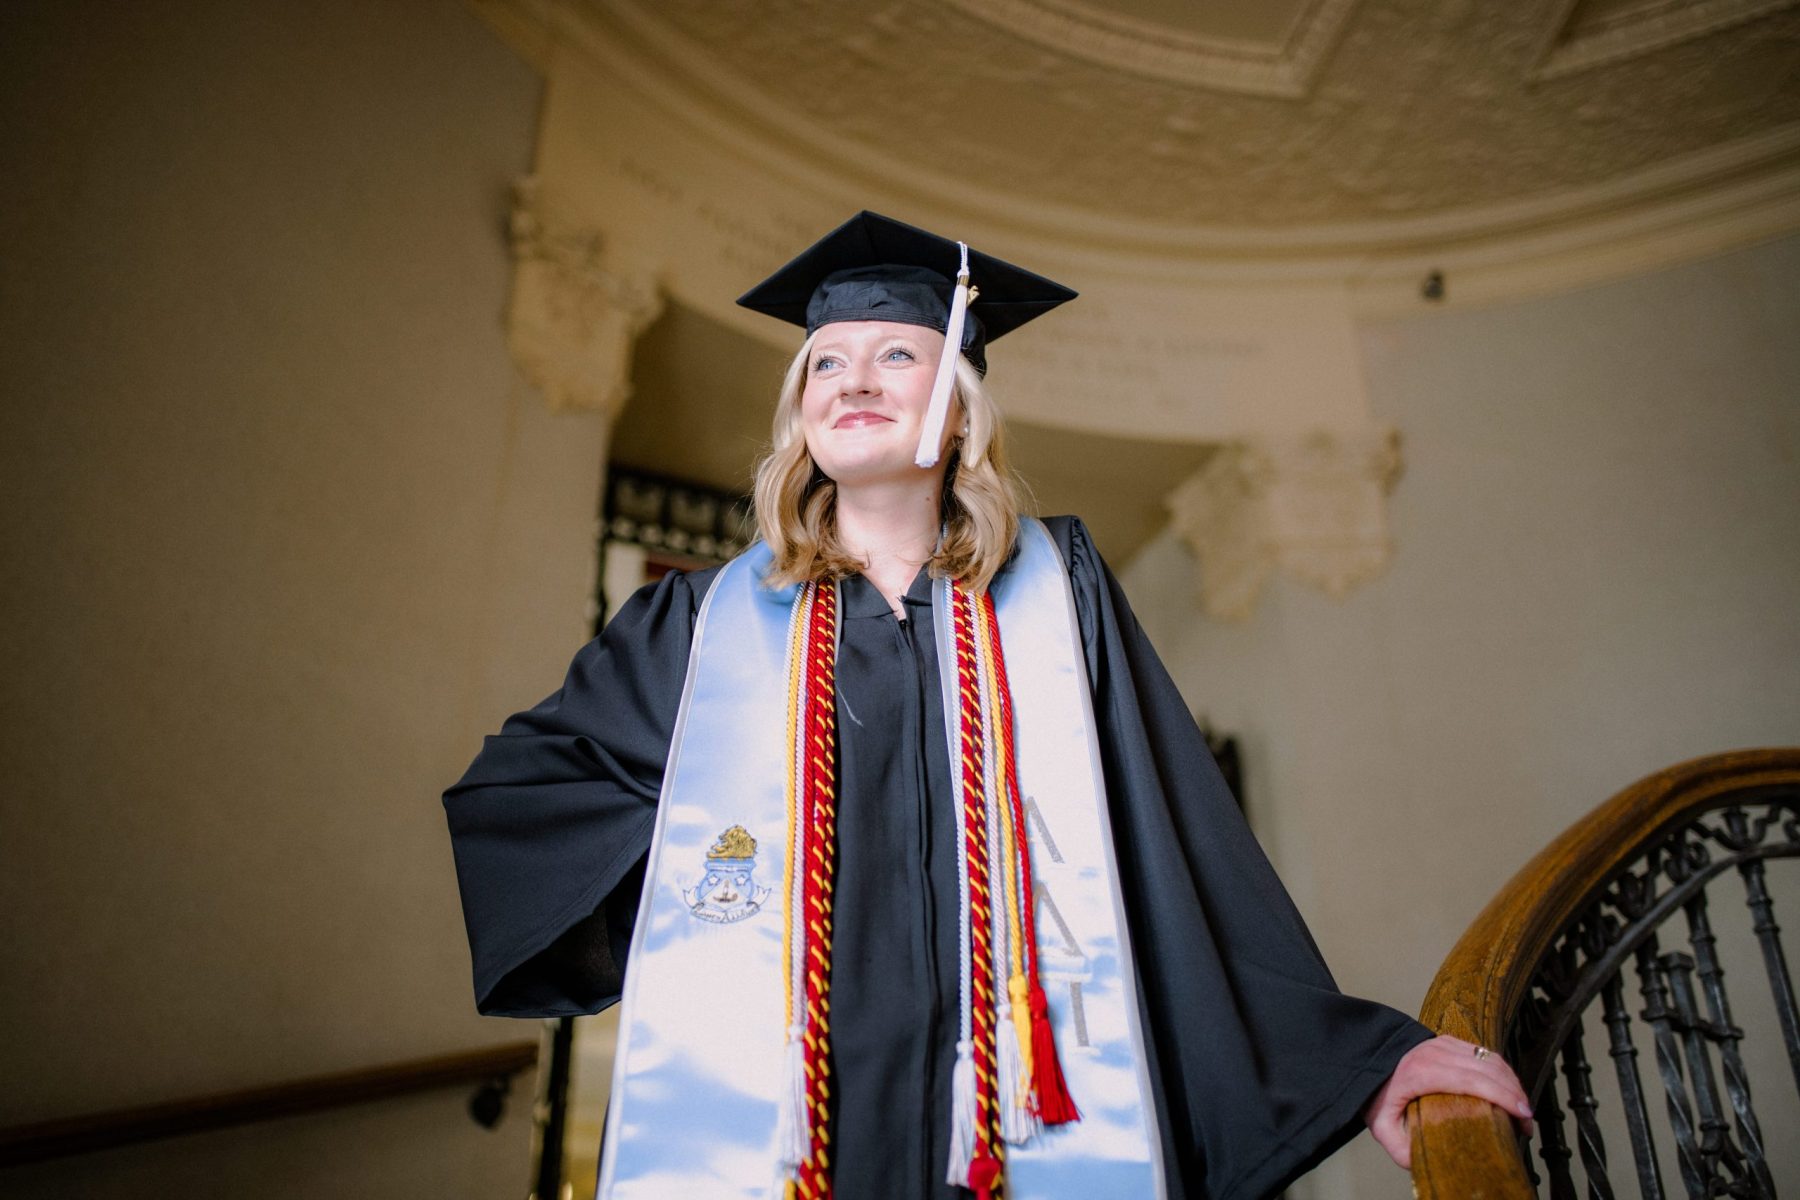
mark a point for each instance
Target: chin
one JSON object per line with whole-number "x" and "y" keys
{"x": 851, "y": 464}
{"x": 861, "y": 472}
{"x": 863, "y": 476}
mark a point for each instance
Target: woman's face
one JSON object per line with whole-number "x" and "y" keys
{"x": 868, "y": 384}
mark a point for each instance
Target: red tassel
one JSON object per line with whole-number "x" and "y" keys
{"x": 1055, "y": 1105}
{"x": 984, "y": 1176}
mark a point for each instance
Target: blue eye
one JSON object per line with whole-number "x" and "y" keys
{"x": 824, "y": 361}
{"x": 898, "y": 353}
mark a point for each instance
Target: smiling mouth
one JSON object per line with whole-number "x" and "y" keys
{"x": 855, "y": 419}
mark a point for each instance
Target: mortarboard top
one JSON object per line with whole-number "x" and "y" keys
{"x": 874, "y": 268}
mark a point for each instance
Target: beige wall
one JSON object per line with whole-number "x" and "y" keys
{"x": 283, "y": 536}
{"x": 1597, "y": 573}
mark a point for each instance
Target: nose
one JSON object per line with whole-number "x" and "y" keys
{"x": 858, "y": 378}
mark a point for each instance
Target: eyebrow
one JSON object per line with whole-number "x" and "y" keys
{"x": 837, "y": 344}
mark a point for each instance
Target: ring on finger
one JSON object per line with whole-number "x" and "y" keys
{"x": 1482, "y": 1052}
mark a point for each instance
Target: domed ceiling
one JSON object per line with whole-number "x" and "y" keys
{"x": 1252, "y": 113}
{"x": 1230, "y": 141}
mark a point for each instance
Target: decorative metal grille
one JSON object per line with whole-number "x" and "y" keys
{"x": 1684, "y": 1012}
{"x": 693, "y": 522}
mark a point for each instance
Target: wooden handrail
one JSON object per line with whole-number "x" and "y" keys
{"x": 104, "y": 1130}
{"x": 1464, "y": 1147}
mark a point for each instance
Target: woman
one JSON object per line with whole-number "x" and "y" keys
{"x": 927, "y": 882}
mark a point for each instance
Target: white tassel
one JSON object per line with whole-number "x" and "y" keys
{"x": 932, "y": 435}
{"x": 793, "y": 1128}
{"x": 1017, "y": 1122}
{"x": 962, "y": 1115}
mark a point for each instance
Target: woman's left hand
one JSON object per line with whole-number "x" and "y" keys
{"x": 1444, "y": 1064}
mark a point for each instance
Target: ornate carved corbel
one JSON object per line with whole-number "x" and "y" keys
{"x": 572, "y": 321}
{"x": 1313, "y": 505}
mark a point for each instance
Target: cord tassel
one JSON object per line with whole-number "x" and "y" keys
{"x": 1018, "y": 1118}
{"x": 792, "y": 1134}
{"x": 984, "y": 1176}
{"x": 793, "y": 1138}
{"x": 962, "y": 1115}
{"x": 1055, "y": 1105}
{"x": 1018, "y": 989}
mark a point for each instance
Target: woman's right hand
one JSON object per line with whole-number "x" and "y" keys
{"x": 1441, "y": 1065}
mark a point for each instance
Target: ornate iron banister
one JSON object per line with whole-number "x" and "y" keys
{"x": 491, "y": 1069}
{"x": 1561, "y": 933}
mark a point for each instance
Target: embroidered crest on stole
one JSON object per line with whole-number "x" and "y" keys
{"x": 728, "y": 891}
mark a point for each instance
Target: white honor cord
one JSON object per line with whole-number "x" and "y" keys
{"x": 933, "y": 433}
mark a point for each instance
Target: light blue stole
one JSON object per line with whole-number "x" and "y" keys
{"x": 699, "y": 1063}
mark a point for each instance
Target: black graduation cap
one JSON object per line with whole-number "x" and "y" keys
{"x": 874, "y": 268}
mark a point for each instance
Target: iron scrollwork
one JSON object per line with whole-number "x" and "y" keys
{"x": 1685, "y": 1009}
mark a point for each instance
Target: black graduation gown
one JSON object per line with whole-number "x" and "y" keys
{"x": 1260, "y": 1066}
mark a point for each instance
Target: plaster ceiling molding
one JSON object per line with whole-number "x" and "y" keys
{"x": 1258, "y": 66}
{"x": 1583, "y": 34}
{"x": 1606, "y": 193}
{"x": 571, "y": 322}
{"x": 1314, "y": 506}
{"x": 1421, "y": 108}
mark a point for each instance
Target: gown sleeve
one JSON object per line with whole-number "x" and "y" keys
{"x": 551, "y": 822}
{"x": 1260, "y": 1067}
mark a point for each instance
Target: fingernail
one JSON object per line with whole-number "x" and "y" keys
{"x": 1525, "y": 1109}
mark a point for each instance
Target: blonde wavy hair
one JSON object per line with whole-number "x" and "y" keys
{"x": 796, "y": 503}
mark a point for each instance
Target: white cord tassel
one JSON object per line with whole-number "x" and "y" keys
{"x": 793, "y": 1137}
{"x": 932, "y": 436}
{"x": 793, "y": 1132}
{"x": 962, "y": 1115}
{"x": 962, "y": 1077}
{"x": 1017, "y": 1122}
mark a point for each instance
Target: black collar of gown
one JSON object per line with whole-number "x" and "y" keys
{"x": 861, "y": 598}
